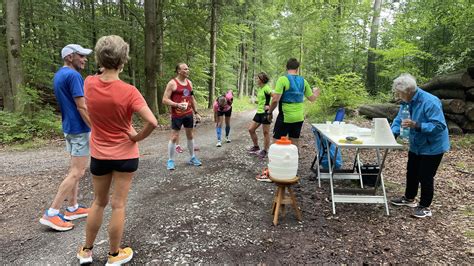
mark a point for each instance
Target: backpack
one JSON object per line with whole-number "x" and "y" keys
{"x": 295, "y": 93}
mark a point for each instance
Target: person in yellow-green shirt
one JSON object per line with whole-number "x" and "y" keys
{"x": 289, "y": 94}
{"x": 264, "y": 95}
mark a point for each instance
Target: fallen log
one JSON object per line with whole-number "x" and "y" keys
{"x": 388, "y": 110}
{"x": 457, "y": 118}
{"x": 449, "y": 94}
{"x": 453, "y": 128}
{"x": 469, "y": 111}
{"x": 458, "y": 79}
{"x": 454, "y": 106}
{"x": 468, "y": 127}
{"x": 470, "y": 94}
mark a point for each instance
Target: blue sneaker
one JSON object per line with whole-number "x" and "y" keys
{"x": 194, "y": 161}
{"x": 170, "y": 165}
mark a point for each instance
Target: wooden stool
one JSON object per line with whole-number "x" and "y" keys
{"x": 281, "y": 199}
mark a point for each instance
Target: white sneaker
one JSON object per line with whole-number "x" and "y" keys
{"x": 227, "y": 140}
{"x": 219, "y": 144}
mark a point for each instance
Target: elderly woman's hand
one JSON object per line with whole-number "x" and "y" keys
{"x": 408, "y": 123}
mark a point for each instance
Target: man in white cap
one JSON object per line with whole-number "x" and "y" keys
{"x": 69, "y": 90}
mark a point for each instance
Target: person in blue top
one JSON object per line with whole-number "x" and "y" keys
{"x": 429, "y": 140}
{"x": 69, "y": 90}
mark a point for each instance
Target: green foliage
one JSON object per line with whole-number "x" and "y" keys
{"x": 16, "y": 127}
{"x": 402, "y": 57}
{"x": 37, "y": 120}
{"x": 242, "y": 104}
{"x": 345, "y": 90}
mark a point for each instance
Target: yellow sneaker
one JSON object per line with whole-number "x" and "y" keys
{"x": 124, "y": 256}
{"x": 84, "y": 255}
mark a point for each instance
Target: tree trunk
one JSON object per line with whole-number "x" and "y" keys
{"x": 469, "y": 112}
{"x": 388, "y": 110}
{"x": 454, "y": 106}
{"x": 246, "y": 72}
{"x": 14, "y": 51}
{"x": 374, "y": 31}
{"x": 5, "y": 88}
{"x": 93, "y": 24}
{"x": 300, "y": 72}
{"x": 449, "y": 94}
{"x": 242, "y": 69}
{"x": 159, "y": 54}
{"x": 453, "y": 128}
{"x": 470, "y": 94}
{"x": 456, "y": 80}
{"x": 150, "y": 55}
{"x": 254, "y": 62}
{"x": 212, "y": 56}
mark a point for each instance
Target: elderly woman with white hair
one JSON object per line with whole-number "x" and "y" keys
{"x": 429, "y": 140}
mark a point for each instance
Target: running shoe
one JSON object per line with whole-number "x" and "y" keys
{"x": 402, "y": 201}
{"x": 227, "y": 139}
{"x": 124, "y": 256}
{"x": 194, "y": 161}
{"x": 219, "y": 144}
{"x": 84, "y": 255}
{"x": 254, "y": 149}
{"x": 422, "y": 212}
{"x": 56, "y": 222}
{"x": 170, "y": 165}
{"x": 262, "y": 154}
{"x": 81, "y": 212}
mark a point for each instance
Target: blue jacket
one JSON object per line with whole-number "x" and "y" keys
{"x": 431, "y": 134}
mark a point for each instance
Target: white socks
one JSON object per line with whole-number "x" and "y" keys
{"x": 52, "y": 212}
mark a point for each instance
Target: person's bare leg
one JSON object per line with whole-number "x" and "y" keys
{"x": 73, "y": 196}
{"x": 122, "y": 183}
{"x": 76, "y": 171}
{"x": 266, "y": 137}
{"x": 101, "y": 186}
{"x": 252, "y": 131}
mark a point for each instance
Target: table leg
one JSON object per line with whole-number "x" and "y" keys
{"x": 331, "y": 178}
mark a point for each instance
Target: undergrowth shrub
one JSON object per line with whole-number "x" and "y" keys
{"x": 344, "y": 90}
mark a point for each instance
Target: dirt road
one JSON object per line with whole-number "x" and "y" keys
{"x": 219, "y": 213}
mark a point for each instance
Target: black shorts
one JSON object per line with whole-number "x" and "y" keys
{"x": 227, "y": 114}
{"x": 261, "y": 119}
{"x": 103, "y": 167}
{"x": 291, "y": 130}
{"x": 186, "y": 121}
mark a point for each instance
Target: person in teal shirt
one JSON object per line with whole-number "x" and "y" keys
{"x": 289, "y": 94}
{"x": 264, "y": 95}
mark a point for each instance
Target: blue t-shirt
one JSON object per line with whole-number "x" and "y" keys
{"x": 68, "y": 84}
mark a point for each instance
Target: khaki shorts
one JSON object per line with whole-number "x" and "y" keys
{"x": 77, "y": 144}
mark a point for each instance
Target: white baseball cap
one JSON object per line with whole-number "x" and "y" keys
{"x": 74, "y": 48}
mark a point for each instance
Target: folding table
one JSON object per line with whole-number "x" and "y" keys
{"x": 381, "y": 140}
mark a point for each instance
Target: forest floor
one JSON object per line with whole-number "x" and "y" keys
{"x": 218, "y": 213}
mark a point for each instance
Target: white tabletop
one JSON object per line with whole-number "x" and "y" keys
{"x": 339, "y": 132}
